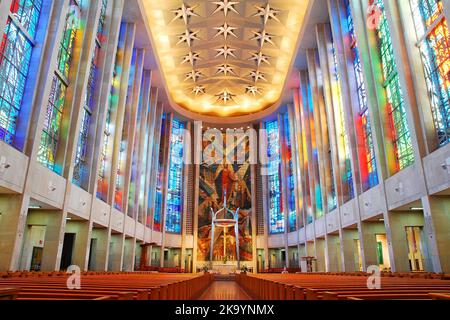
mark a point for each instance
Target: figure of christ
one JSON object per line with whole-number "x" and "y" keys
{"x": 229, "y": 178}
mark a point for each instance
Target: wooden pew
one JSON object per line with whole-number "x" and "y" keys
{"x": 314, "y": 287}
{"x": 440, "y": 296}
{"x": 115, "y": 286}
{"x": 8, "y": 293}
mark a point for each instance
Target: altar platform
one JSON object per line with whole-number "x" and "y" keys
{"x": 228, "y": 268}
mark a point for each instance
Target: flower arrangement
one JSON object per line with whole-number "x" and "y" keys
{"x": 244, "y": 269}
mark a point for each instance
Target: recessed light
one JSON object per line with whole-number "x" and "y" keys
{"x": 415, "y": 208}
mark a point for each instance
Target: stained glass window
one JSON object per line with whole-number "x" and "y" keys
{"x": 52, "y": 125}
{"x": 343, "y": 136}
{"x": 317, "y": 189}
{"x": 135, "y": 159}
{"x": 120, "y": 176}
{"x": 55, "y": 106}
{"x": 101, "y": 22}
{"x": 174, "y": 189}
{"x": 159, "y": 180}
{"x": 434, "y": 43}
{"x": 27, "y": 13}
{"x": 368, "y": 165}
{"x": 102, "y": 181}
{"x": 143, "y": 174}
{"x": 276, "y": 212}
{"x": 81, "y": 169}
{"x": 15, "y": 55}
{"x": 401, "y": 136}
{"x": 290, "y": 175}
{"x": 65, "y": 53}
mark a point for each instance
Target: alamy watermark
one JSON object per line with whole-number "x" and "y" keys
{"x": 232, "y": 146}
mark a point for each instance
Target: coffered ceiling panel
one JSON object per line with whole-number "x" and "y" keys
{"x": 225, "y": 58}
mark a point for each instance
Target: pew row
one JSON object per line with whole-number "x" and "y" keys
{"x": 327, "y": 287}
{"x": 108, "y": 287}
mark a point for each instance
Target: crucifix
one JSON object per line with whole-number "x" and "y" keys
{"x": 228, "y": 219}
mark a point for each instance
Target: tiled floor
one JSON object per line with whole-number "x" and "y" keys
{"x": 224, "y": 290}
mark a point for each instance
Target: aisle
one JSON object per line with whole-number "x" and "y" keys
{"x": 224, "y": 290}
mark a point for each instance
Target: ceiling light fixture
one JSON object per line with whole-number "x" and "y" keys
{"x": 193, "y": 75}
{"x": 225, "y": 51}
{"x": 267, "y": 13}
{"x": 184, "y": 13}
{"x": 263, "y": 37}
{"x": 188, "y": 37}
{"x": 225, "y": 6}
{"x": 191, "y": 57}
{"x": 225, "y": 30}
{"x": 259, "y": 57}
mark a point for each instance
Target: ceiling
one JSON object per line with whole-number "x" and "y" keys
{"x": 224, "y": 58}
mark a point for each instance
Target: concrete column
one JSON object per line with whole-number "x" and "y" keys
{"x": 320, "y": 254}
{"x": 265, "y": 196}
{"x": 166, "y": 164}
{"x": 437, "y": 226}
{"x": 13, "y": 215}
{"x": 283, "y": 184}
{"x": 154, "y": 164}
{"x": 369, "y": 230}
{"x": 55, "y": 223}
{"x": 142, "y": 154}
{"x": 150, "y": 172}
{"x": 81, "y": 247}
{"x": 129, "y": 253}
{"x": 349, "y": 250}
{"x": 116, "y": 255}
{"x": 197, "y": 155}
{"x": 333, "y": 251}
{"x": 297, "y": 143}
{"x": 187, "y": 154}
{"x": 101, "y": 250}
{"x": 253, "y": 173}
{"x": 130, "y": 124}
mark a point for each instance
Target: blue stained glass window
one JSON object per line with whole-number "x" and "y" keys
{"x": 52, "y": 126}
{"x": 290, "y": 176}
{"x": 81, "y": 168}
{"x": 276, "y": 211}
{"x": 175, "y": 186}
{"x": 15, "y": 55}
{"x": 434, "y": 43}
{"x": 368, "y": 165}
{"x": 51, "y": 131}
{"x": 27, "y": 12}
{"x": 159, "y": 180}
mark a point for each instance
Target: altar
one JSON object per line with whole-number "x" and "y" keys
{"x": 228, "y": 268}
